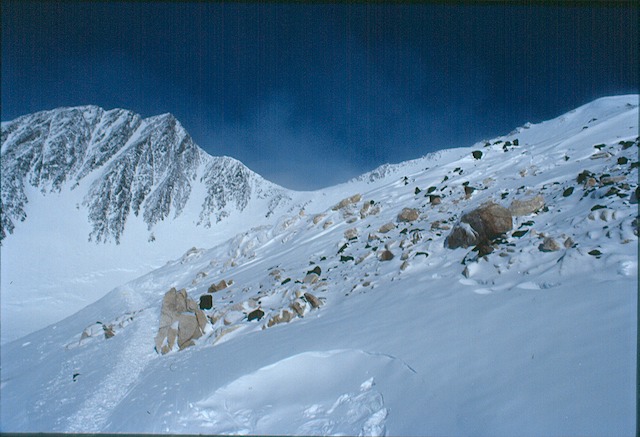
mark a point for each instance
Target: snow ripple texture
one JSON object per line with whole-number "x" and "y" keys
{"x": 338, "y": 392}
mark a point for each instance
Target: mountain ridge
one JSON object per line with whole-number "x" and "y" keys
{"x": 139, "y": 166}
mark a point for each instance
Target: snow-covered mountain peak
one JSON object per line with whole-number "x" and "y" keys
{"x": 125, "y": 164}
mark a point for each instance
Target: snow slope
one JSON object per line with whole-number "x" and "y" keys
{"x": 94, "y": 198}
{"x": 435, "y": 341}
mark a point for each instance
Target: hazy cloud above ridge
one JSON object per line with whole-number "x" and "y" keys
{"x": 312, "y": 95}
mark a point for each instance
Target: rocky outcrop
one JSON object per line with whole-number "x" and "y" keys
{"x": 348, "y": 201}
{"x": 480, "y": 225}
{"x": 181, "y": 320}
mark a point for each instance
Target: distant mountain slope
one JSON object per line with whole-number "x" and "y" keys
{"x": 126, "y": 165}
{"x": 353, "y": 313}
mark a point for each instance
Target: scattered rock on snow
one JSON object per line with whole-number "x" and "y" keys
{"x": 346, "y": 202}
{"x": 385, "y": 255}
{"x": 317, "y": 270}
{"x": 434, "y": 199}
{"x": 526, "y": 206}
{"x": 311, "y": 278}
{"x": 313, "y": 301}
{"x": 318, "y": 218}
{"x": 299, "y": 307}
{"x": 284, "y": 316}
{"x": 549, "y": 245}
{"x": 386, "y": 228}
{"x": 351, "y": 233}
{"x": 218, "y": 287}
{"x": 408, "y": 215}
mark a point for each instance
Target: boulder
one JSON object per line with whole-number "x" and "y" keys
{"x": 317, "y": 270}
{"x": 206, "y": 302}
{"x": 386, "y": 228}
{"x": 181, "y": 319}
{"x": 311, "y": 278}
{"x": 408, "y": 215}
{"x": 482, "y": 224}
{"x": 256, "y": 314}
{"x": 526, "y": 206}
{"x": 385, "y": 255}
{"x": 434, "y": 199}
{"x": 351, "y": 233}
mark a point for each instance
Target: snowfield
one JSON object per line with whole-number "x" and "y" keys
{"x": 364, "y": 322}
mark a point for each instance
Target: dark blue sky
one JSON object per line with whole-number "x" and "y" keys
{"x": 312, "y": 95}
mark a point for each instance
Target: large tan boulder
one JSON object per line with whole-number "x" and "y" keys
{"x": 483, "y": 224}
{"x": 180, "y": 319}
{"x": 526, "y": 206}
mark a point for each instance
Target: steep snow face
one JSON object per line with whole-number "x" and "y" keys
{"x": 75, "y": 178}
{"x": 321, "y": 332}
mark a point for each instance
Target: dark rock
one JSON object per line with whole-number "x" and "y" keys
{"x": 477, "y": 154}
{"x": 206, "y": 302}
{"x": 468, "y": 191}
{"x": 256, "y": 314}
{"x": 385, "y": 255}
{"x": 317, "y": 270}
